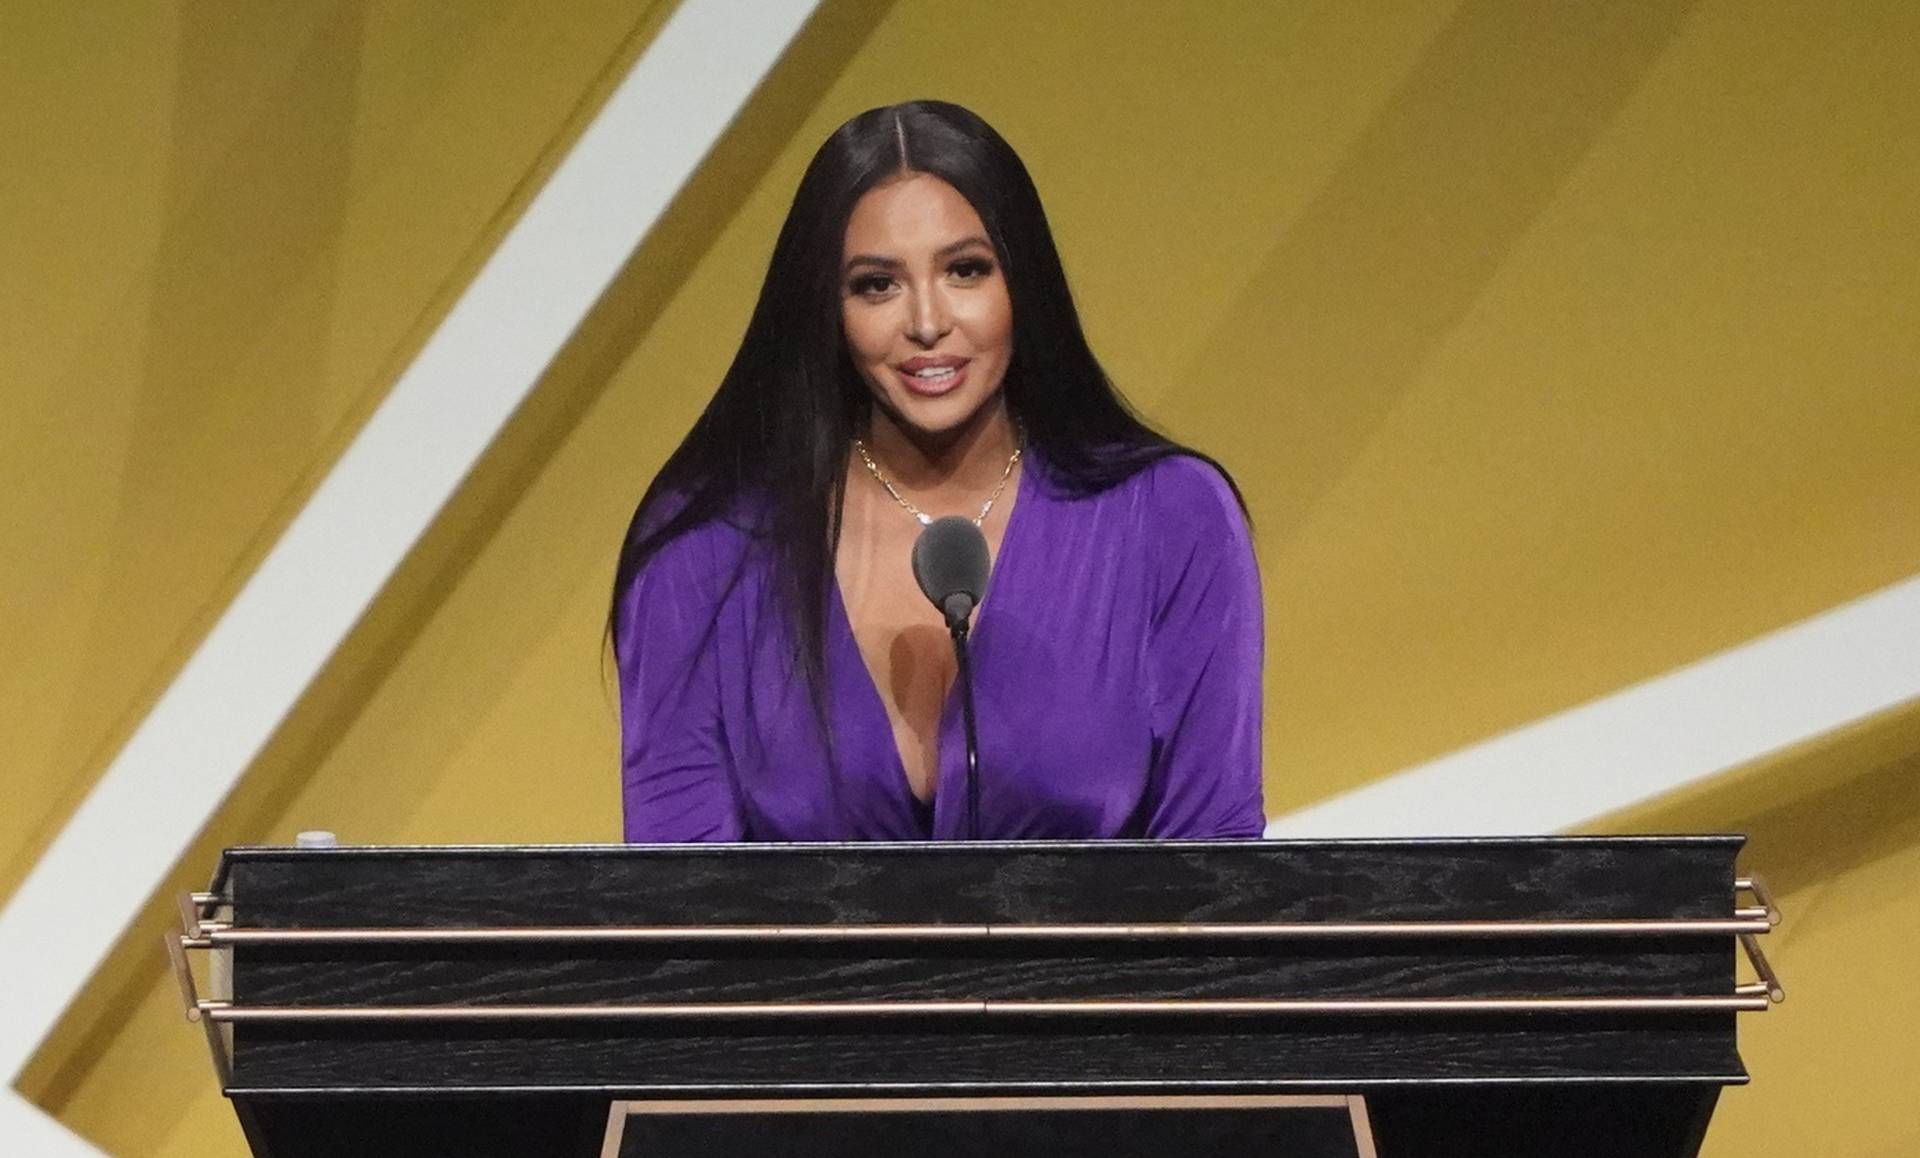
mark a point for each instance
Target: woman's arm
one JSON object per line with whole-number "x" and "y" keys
{"x": 1204, "y": 650}
{"x": 676, "y": 781}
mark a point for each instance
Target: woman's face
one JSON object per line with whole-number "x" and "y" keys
{"x": 924, "y": 305}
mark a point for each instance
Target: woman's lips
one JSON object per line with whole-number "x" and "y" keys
{"x": 944, "y": 379}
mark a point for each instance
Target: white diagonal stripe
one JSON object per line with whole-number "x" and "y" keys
{"x": 26, "y": 1129}
{"x": 1837, "y": 668}
{"x": 382, "y": 494}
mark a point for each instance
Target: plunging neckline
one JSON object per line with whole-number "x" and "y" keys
{"x": 949, "y": 702}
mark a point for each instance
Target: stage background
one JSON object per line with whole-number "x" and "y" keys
{"x": 1555, "y": 346}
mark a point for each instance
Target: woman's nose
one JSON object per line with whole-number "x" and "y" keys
{"x": 930, "y": 318}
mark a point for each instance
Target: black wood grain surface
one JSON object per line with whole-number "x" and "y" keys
{"x": 1492, "y": 879}
{"x": 1508, "y": 878}
{"x": 479, "y": 974}
{"x": 1248, "y": 1055}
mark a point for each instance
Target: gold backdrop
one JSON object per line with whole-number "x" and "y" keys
{"x": 1555, "y": 346}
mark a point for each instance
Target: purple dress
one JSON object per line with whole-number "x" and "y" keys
{"x": 1116, "y": 664}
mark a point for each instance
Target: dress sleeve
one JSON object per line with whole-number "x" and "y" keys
{"x": 1204, "y": 651}
{"x": 676, "y": 779}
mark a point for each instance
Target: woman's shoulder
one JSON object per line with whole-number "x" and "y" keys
{"x": 1178, "y": 490}
{"x": 708, "y": 554}
{"x": 1176, "y": 509}
{"x": 1186, "y": 484}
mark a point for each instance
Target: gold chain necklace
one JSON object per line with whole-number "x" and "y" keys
{"x": 873, "y": 468}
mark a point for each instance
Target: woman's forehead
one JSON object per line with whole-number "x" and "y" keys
{"x": 915, "y": 215}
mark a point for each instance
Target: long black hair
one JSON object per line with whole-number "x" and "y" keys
{"x": 773, "y": 441}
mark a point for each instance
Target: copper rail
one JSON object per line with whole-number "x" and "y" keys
{"x": 201, "y": 933}
{"x": 214, "y": 935}
{"x": 217, "y": 1016}
{"x": 225, "y": 1012}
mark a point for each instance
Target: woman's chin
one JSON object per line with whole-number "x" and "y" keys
{"x": 938, "y": 417}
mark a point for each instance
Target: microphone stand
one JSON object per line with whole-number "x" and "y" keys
{"x": 958, "y": 626}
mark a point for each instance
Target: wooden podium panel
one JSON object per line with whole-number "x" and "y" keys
{"x": 1564, "y": 994}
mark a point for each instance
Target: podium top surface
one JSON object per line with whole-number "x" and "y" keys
{"x": 1493, "y": 878}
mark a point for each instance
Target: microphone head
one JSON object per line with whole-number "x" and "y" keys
{"x": 951, "y": 562}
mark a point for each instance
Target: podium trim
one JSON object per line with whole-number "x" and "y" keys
{"x": 1355, "y": 1105}
{"x": 1745, "y": 998}
{"x": 214, "y": 935}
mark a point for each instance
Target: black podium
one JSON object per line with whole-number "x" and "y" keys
{"x": 1525, "y": 996}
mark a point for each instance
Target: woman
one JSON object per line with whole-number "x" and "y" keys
{"x": 915, "y": 352}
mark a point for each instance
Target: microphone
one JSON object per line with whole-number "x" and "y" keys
{"x": 951, "y": 563}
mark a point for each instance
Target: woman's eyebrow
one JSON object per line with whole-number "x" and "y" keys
{"x": 882, "y": 261}
{"x": 968, "y": 242}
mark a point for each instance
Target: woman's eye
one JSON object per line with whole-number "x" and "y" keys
{"x": 969, "y": 268}
{"x": 871, "y": 285}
